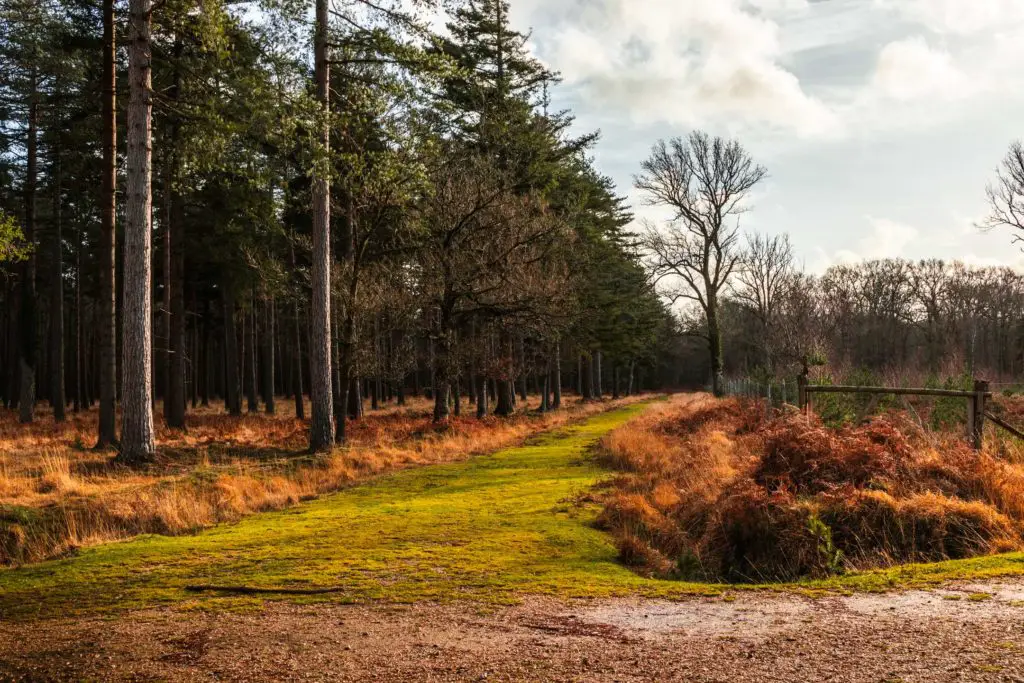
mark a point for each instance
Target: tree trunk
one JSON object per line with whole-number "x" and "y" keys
{"x": 336, "y": 384}
{"x": 355, "y": 399}
{"x": 588, "y": 378}
{"x": 174, "y": 387}
{"x": 108, "y": 240}
{"x": 505, "y": 407}
{"x": 321, "y": 432}
{"x": 714, "y": 344}
{"x": 300, "y": 404}
{"x": 615, "y": 381}
{"x": 629, "y": 382}
{"x": 174, "y": 293}
{"x": 137, "y": 443}
{"x": 545, "y": 389}
{"x": 79, "y": 369}
{"x": 252, "y": 382}
{"x": 598, "y": 390}
{"x": 557, "y": 377}
{"x": 521, "y": 363}
{"x": 57, "y": 398}
{"x": 481, "y": 398}
{"x": 27, "y": 346}
{"x": 232, "y": 390}
{"x": 268, "y": 357}
{"x": 207, "y": 346}
{"x": 442, "y": 371}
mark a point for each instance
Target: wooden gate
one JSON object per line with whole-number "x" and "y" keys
{"x": 977, "y": 401}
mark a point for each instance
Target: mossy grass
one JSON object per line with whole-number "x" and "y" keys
{"x": 491, "y": 530}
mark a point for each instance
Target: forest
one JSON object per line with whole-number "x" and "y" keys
{"x": 242, "y": 220}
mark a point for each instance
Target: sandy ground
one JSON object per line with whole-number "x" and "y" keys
{"x": 947, "y": 635}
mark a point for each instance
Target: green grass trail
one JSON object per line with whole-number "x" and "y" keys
{"x": 491, "y": 529}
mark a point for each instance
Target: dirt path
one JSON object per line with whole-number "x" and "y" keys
{"x": 948, "y": 635}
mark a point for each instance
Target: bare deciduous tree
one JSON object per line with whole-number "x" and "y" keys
{"x": 1006, "y": 194}
{"x": 705, "y": 182}
{"x": 765, "y": 274}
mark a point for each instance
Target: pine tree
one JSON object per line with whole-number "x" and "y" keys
{"x": 137, "y": 438}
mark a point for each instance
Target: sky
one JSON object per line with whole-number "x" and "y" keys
{"x": 880, "y": 121}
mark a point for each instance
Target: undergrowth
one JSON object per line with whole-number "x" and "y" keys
{"x": 725, "y": 490}
{"x": 56, "y": 497}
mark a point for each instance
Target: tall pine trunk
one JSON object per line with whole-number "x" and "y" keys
{"x": 321, "y": 431}
{"x": 27, "y": 346}
{"x": 79, "y": 367}
{"x": 174, "y": 388}
{"x": 267, "y": 365}
{"x": 137, "y": 442}
{"x": 300, "y": 402}
{"x": 107, "y": 370}
{"x": 250, "y": 363}
{"x": 57, "y": 396}
{"x": 232, "y": 378}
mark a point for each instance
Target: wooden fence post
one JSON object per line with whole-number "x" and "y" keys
{"x": 976, "y": 414}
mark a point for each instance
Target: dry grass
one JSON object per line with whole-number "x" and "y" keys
{"x": 722, "y": 490}
{"x": 56, "y": 494}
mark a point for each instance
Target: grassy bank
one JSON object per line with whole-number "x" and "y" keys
{"x": 490, "y": 529}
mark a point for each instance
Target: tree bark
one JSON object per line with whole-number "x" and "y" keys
{"x": 442, "y": 371}
{"x": 27, "y": 345}
{"x": 588, "y": 378}
{"x": 268, "y": 357}
{"x": 557, "y": 377}
{"x": 250, "y": 342}
{"x": 57, "y": 395}
{"x": 137, "y": 441}
{"x": 481, "y": 398}
{"x": 79, "y": 361}
{"x": 321, "y": 432}
{"x": 598, "y": 390}
{"x": 232, "y": 390}
{"x": 108, "y": 240}
{"x": 354, "y": 401}
{"x": 715, "y": 344}
{"x": 300, "y": 403}
{"x": 521, "y": 367}
{"x": 174, "y": 292}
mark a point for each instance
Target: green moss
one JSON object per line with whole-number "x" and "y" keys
{"x": 490, "y": 529}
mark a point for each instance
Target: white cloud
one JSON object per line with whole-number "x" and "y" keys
{"x": 885, "y": 239}
{"x": 958, "y": 17}
{"x": 910, "y": 69}
{"x": 694, "y": 63}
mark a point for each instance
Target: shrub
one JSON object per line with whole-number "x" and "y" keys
{"x": 707, "y": 497}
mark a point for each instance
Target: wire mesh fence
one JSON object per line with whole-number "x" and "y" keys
{"x": 775, "y": 392}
